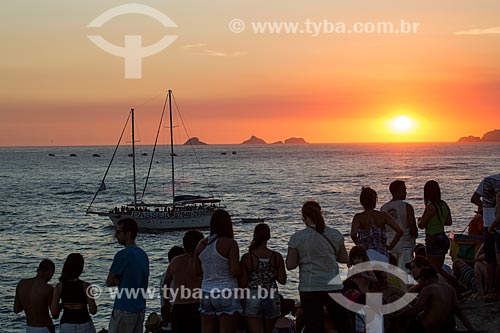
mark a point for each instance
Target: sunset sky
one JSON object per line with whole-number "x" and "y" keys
{"x": 58, "y": 88}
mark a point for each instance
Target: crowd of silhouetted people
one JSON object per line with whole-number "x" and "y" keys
{"x": 209, "y": 287}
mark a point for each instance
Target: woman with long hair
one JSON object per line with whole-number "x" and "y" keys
{"x": 73, "y": 297}
{"x": 261, "y": 267}
{"x": 217, "y": 258}
{"x": 368, "y": 228}
{"x": 316, "y": 250}
{"x": 436, "y": 216}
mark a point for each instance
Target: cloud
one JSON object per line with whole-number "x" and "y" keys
{"x": 487, "y": 31}
{"x": 190, "y": 46}
{"x": 222, "y": 54}
{"x": 213, "y": 53}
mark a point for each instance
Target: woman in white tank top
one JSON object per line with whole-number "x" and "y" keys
{"x": 218, "y": 261}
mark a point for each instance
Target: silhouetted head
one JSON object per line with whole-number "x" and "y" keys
{"x": 457, "y": 266}
{"x": 368, "y": 197}
{"x": 221, "y": 224}
{"x": 312, "y": 215}
{"x": 126, "y": 230}
{"x": 432, "y": 192}
{"x": 261, "y": 235}
{"x": 427, "y": 275}
{"x": 191, "y": 239}
{"x": 420, "y": 250}
{"x": 418, "y": 263}
{"x": 72, "y": 268}
{"x": 357, "y": 255}
{"x": 175, "y": 251}
{"x": 46, "y": 269}
{"x": 398, "y": 189}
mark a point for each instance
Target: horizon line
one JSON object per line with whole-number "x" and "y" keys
{"x": 241, "y": 144}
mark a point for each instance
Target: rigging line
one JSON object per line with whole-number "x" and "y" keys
{"x": 190, "y": 143}
{"x": 151, "y": 99}
{"x": 110, "y": 162}
{"x": 154, "y": 148}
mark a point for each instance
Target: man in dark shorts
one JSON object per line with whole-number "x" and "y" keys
{"x": 34, "y": 296}
{"x": 489, "y": 191}
{"x": 181, "y": 271}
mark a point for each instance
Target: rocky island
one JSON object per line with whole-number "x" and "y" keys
{"x": 295, "y": 141}
{"x": 290, "y": 141}
{"x": 194, "y": 141}
{"x": 491, "y": 136}
{"x": 254, "y": 141}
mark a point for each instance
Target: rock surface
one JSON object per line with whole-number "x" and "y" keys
{"x": 484, "y": 317}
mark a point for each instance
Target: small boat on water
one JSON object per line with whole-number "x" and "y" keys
{"x": 96, "y": 155}
{"x": 253, "y": 220}
{"x": 52, "y": 154}
{"x": 183, "y": 212}
{"x": 144, "y": 154}
{"x": 72, "y": 155}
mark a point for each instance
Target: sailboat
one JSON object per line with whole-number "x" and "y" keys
{"x": 183, "y": 212}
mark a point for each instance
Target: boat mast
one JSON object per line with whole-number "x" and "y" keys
{"x": 133, "y": 157}
{"x": 171, "y": 146}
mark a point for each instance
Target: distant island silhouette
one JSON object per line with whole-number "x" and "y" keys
{"x": 194, "y": 141}
{"x": 295, "y": 141}
{"x": 491, "y": 136}
{"x": 254, "y": 141}
{"x": 290, "y": 141}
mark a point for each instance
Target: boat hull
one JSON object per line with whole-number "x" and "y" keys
{"x": 164, "y": 221}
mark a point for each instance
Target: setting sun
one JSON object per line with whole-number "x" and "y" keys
{"x": 401, "y": 124}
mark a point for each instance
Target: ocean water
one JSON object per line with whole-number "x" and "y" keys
{"x": 44, "y": 198}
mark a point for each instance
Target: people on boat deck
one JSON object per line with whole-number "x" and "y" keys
{"x": 34, "y": 296}
{"x": 368, "y": 228}
{"x": 218, "y": 259}
{"x": 316, "y": 251}
{"x": 404, "y": 215}
{"x": 72, "y": 297}
{"x": 129, "y": 270}
{"x": 261, "y": 268}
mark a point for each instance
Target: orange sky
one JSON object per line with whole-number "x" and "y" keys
{"x": 58, "y": 88}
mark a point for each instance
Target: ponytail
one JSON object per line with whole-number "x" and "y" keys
{"x": 261, "y": 235}
{"x": 312, "y": 210}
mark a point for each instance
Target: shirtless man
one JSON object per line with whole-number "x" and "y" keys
{"x": 436, "y": 306}
{"x": 34, "y": 296}
{"x": 185, "y": 314}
